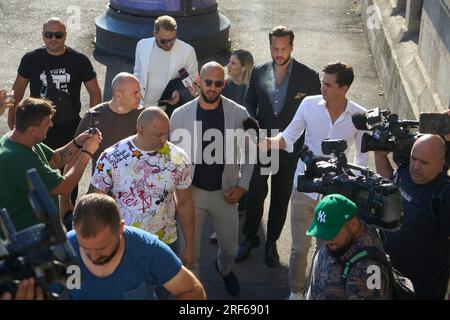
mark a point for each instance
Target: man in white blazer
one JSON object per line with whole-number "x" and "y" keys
{"x": 158, "y": 60}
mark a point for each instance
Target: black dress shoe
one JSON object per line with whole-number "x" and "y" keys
{"x": 245, "y": 248}
{"x": 272, "y": 258}
{"x": 230, "y": 281}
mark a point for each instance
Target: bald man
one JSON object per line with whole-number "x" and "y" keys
{"x": 149, "y": 179}
{"x": 116, "y": 120}
{"x": 68, "y": 70}
{"x": 421, "y": 248}
{"x": 218, "y": 179}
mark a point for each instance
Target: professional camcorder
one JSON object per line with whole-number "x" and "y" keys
{"x": 41, "y": 251}
{"x": 389, "y": 133}
{"x": 378, "y": 200}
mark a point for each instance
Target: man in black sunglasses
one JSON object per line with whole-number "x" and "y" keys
{"x": 160, "y": 63}
{"x": 67, "y": 69}
{"x": 218, "y": 181}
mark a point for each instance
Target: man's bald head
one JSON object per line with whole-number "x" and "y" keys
{"x": 121, "y": 80}
{"x": 149, "y": 115}
{"x": 212, "y": 66}
{"x": 427, "y": 158}
{"x": 152, "y": 129}
{"x": 433, "y": 143}
{"x": 53, "y": 21}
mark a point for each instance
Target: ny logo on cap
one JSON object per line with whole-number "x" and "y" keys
{"x": 322, "y": 216}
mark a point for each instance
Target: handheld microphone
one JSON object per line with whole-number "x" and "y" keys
{"x": 188, "y": 80}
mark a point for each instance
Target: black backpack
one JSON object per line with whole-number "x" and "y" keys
{"x": 402, "y": 287}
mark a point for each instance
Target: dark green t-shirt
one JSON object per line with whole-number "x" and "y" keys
{"x": 15, "y": 160}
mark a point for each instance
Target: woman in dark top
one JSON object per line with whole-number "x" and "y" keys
{"x": 239, "y": 69}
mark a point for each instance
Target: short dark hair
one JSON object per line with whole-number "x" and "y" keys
{"x": 343, "y": 71}
{"x": 93, "y": 212}
{"x": 31, "y": 112}
{"x": 282, "y": 31}
{"x": 166, "y": 22}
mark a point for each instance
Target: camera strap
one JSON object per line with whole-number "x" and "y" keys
{"x": 436, "y": 199}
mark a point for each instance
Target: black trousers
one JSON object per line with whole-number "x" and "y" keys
{"x": 281, "y": 189}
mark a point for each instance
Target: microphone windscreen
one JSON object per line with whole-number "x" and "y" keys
{"x": 183, "y": 73}
{"x": 359, "y": 120}
{"x": 251, "y": 123}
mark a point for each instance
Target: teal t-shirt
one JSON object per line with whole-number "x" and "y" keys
{"x": 15, "y": 160}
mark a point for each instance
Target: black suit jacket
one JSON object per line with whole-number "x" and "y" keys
{"x": 303, "y": 82}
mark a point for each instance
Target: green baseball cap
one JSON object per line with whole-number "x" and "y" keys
{"x": 331, "y": 213}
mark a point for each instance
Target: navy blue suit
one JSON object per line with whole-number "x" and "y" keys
{"x": 303, "y": 82}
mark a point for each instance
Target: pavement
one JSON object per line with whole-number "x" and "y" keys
{"x": 325, "y": 31}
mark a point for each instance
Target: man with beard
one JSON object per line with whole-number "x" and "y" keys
{"x": 159, "y": 59}
{"x": 22, "y": 149}
{"x": 275, "y": 92}
{"x": 205, "y": 128}
{"x": 344, "y": 234}
{"x": 121, "y": 262}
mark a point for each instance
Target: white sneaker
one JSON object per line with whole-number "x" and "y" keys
{"x": 296, "y": 296}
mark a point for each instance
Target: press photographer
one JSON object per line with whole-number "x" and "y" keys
{"x": 420, "y": 249}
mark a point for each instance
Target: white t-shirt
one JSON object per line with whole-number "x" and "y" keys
{"x": 143, "y": 184}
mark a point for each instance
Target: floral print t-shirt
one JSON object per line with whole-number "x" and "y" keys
{"x": 143, "y": 184}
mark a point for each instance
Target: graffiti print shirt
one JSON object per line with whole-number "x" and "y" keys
{"x": 143, "y": 184}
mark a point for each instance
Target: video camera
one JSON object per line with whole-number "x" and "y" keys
{"x": 41, "y": 251}
{"x": 93, "y": 121}
{"x": 388, "y": 133}
{"x": 378, "y": 200}
{"x": 391, "y": 134}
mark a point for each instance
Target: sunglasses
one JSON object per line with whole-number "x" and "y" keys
{"x": 167, "y": 41}
{"x": 57, "y": 35}
{"x": 217, "y": 83}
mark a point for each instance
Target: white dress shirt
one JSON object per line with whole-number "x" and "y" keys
{"x": 313, "y": 116}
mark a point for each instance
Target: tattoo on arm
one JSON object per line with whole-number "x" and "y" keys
{"x": 65, "y": 155}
